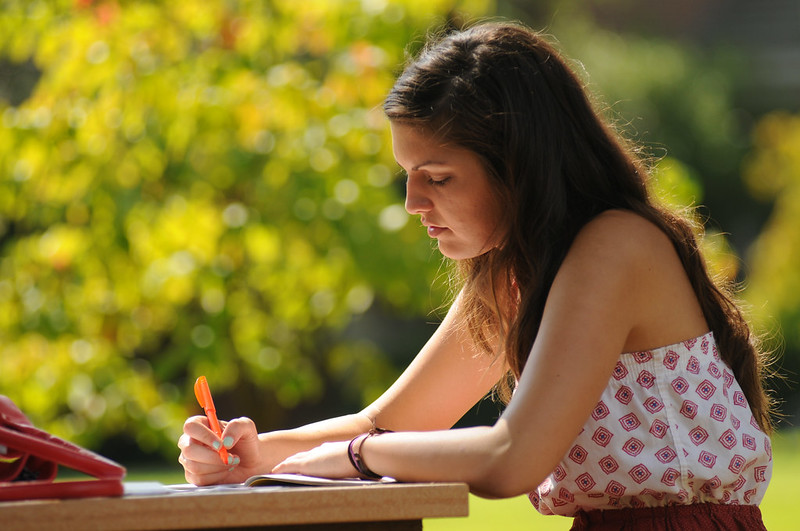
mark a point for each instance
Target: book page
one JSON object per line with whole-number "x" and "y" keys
{"x": 298, "y": 479}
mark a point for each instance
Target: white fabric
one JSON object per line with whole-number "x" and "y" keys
{"x": 672, "y": 427}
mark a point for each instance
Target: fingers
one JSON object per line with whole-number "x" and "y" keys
{"x": 200, "y": 450}
{"x": 327, "y": 460}
{"x": 241, "y": 430}
{"x": 197, "y": 428}
{"x": 199, "y": 473}
{"x": 199, "y": 453}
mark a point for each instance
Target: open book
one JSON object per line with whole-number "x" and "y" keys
{"x": 300, "y": 480}
{"x": 154, "y": 488}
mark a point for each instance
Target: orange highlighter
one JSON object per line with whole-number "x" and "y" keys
{"x": 203, "y": 394}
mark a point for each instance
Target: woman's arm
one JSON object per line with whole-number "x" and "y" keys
{"x": 620, "y": 288}
{"x": 445, "y": 379}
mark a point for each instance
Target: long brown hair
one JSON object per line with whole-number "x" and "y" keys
{"x": 503, "y": 92}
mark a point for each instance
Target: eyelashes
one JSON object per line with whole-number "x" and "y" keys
{"x": 402, "y": 177}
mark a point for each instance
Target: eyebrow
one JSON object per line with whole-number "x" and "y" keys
{"x": 428, "y": 163}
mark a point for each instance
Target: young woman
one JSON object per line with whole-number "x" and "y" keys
{"x": 633, "y": 384}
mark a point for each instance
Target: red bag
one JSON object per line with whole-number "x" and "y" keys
{"x": 30, "y": 457}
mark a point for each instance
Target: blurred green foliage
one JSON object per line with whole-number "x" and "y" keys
{"x": 772, "y": 173}
{"x": 207, "y": 187}
{"x": 200, "y": 187}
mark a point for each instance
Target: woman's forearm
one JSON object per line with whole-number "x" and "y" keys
{"x": 280, "y": 444}
{"x": 480, "y": 456}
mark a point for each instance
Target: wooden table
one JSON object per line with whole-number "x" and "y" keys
{"x": 386, "y": 507}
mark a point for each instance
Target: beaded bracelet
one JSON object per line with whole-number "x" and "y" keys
{"x": 354, "y": 453}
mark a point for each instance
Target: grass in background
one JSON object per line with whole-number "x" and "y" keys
{"x": 780, "y": 507}
{"x": 166, "y": 476}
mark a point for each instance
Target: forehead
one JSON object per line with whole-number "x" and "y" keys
{"x": 414, "y": 146}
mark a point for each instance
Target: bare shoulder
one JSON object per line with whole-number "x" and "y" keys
{"x": 620, "y": 223}
{"x": 622, "y": 235}
{"x": 631, "y": 265}
{"x": 620, "y": 251}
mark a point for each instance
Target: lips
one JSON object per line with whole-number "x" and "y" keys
{"x": 434, "y": 231}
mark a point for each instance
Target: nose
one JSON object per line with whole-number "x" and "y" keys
{"x": 417, "y": 201}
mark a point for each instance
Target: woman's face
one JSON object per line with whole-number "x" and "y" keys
{"x": 449, "y": 188}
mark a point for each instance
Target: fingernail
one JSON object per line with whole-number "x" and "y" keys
{"x": 230, "y": 460}
{"x": 227, "y": 441}
{"x": 230, "y": 469}
{"x": 217, "y": 445}
{"x": 236, "y": 460}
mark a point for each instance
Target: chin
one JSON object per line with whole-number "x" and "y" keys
{"x": 457, "y": 253}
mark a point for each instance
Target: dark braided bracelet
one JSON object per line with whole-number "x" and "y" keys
{"x": 354, "y": 453}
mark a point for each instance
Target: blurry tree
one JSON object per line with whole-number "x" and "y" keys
{"x": 772, "y": 174}
{"x": 200, "y": 187}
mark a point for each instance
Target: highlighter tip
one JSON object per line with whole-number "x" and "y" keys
{"x": 199, "y": 384}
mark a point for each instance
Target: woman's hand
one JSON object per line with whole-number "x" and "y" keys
{"x": 200, "y": 451}
{"x": 328, "y": 460}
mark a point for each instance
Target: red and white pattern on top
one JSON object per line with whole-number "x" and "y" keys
{"x": 672, "y": 427}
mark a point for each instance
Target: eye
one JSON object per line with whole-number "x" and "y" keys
{"x": 438, "y": 181}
